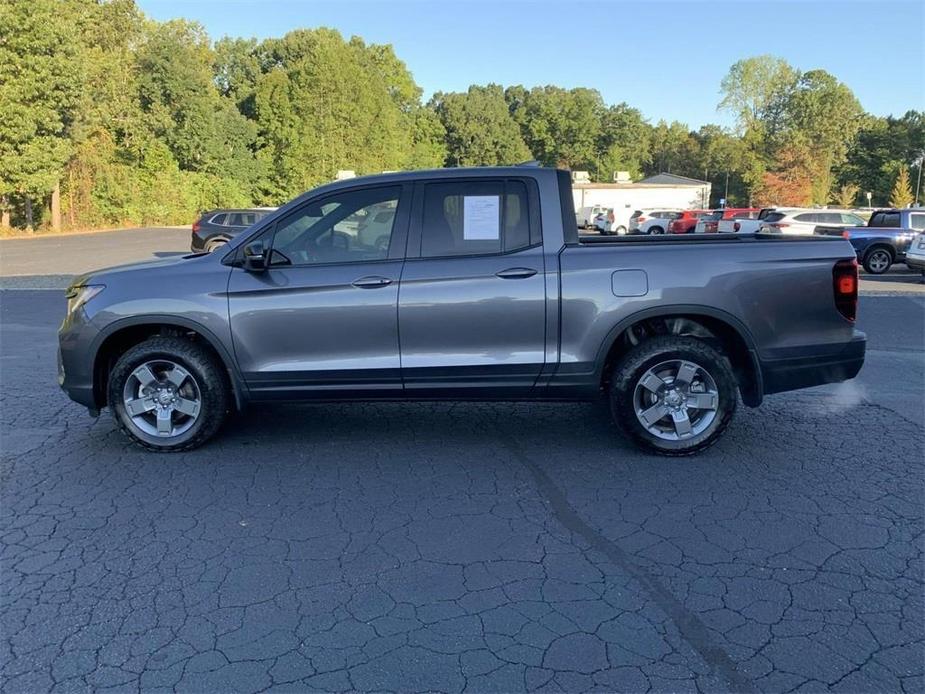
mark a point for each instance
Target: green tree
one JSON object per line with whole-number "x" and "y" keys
{"x": 624, "y": 143}
{"x": 561, "y": 127}
{"x": 204, "y": 130}
{"x": 479, "y": 128}
{"x": 324, "y": 104}
{"x": 674, "y": 150}
{"x": 823, "y": 114}
{"x": 428, "y": 146}
{"x": 847, "y": 195}
{"x": 39, "y": 92}
{"x": 723, "y": 158}
{"x": 901, "y": 195}
{"x": 757, "y": 91}
{"x": 237, "y": 65}
{"x": 880, "y": 148}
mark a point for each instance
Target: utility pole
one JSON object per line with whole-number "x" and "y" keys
{"x": 918, "y": 185}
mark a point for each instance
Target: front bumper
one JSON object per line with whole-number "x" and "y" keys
{"x": 75, "y": 360}
{"x": 816, "y": 366}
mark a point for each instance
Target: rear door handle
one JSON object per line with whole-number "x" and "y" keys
{"x": 372, "y": 282}
{"x": 516, "y": 273}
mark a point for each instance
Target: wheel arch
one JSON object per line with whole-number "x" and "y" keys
{"x": 124, "y": 334}
{"x": 732, "y": 336}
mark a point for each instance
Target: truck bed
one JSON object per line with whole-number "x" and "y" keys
{"x": 721, "y": 238}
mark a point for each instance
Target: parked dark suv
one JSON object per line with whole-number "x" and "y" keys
{"x": 216, "y": 227}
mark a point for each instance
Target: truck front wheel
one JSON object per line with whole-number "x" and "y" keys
{"x": 673, "y": 395}
{"x": 168, "y": 394}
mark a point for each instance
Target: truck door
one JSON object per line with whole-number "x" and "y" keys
{"x": 471, "y": 306}
{"x": 322, "y": 320}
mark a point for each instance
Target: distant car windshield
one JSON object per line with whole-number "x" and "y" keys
{"x": 774, "y": 217}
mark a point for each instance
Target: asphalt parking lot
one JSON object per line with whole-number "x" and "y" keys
{"x": 449, "y": 547}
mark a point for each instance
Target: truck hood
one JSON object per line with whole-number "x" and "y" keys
{"x": 118, "y": 272}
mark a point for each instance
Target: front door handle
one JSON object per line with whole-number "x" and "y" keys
{"x": 516, "y": 273}
{"x": 372, "y": 282}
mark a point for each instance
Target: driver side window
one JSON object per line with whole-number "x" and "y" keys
{"x": 354, "y": 226}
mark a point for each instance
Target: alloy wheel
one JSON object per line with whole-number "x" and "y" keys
{"x": 676, "y": 399}
{"x": 162, "y": 398}
{"x": 879, "y": 261}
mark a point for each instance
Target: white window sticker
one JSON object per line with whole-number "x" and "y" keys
{"x": 481, "y": 218}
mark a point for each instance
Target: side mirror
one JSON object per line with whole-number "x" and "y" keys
{"x": 255, "y": 259}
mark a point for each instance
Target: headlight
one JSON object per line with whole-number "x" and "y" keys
{"x": 78, "y": 296}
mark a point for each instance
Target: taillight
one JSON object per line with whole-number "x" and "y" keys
{"x": 196, "y": 226}
{"x": 845, "y": 283}
{"x": 711, "y": 227}
{"x": 641, "y": 219}
{"x": 845, "y": 234}
{"x": 736, "y": 226}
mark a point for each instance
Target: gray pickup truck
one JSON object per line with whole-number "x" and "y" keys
{"x": 483, "y": 291}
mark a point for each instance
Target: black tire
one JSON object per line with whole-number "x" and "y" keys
{"x": 656, "y": 230}
{"x": 210, "y": 379}
{"x": 620, "y": 230}
{"x": 878, "y": 260}
{"x": 628, "y": 372}
{"x": 215, "y": 244}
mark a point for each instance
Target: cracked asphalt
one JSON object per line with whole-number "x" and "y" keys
{"x": 465, "y": 547}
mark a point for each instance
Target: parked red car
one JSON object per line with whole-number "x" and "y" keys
{"x": 685, "y": 223}
{"x": 709, "y": 224}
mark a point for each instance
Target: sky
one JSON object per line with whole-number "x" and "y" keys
{"x": 665, "y": 58}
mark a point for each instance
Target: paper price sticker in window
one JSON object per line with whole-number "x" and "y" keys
{"x": 481, "y": 217}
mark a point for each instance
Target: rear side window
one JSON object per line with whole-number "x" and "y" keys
{"x": 917, "y": 221}
{"x": 805, "y": 217}
{"x": 475, "y": 218}
{"x": 885, "y": 219}
{"x": 773, "y": 217}
{"x": 714, "y": 216}
{"x": 219, "y": 219}
{"x": 241, "y": 219}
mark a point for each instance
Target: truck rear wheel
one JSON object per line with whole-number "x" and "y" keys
{"x": 673, "y": 395}
{"x": 168, "y": 394}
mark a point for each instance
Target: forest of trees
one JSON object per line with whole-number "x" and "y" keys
{"x": 110, "y": 118}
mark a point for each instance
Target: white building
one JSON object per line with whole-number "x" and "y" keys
{"x": 664, "y": 190}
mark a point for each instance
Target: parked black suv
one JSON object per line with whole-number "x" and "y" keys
{"x": 216, "y": 227}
